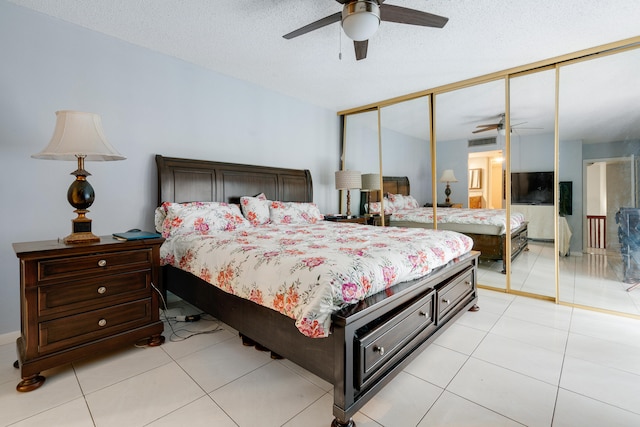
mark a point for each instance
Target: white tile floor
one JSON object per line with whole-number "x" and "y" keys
{"x": 516, "y": 362}
{"x": 590, "y": 279}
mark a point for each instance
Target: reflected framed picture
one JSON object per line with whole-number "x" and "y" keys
{"x": 565, "y": 202}
{"x": 475, "y": 179}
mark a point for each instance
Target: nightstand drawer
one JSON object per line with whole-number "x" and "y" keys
{"x": 92, "y": 293}
{"x": 85, "y": 327}
{"x": 52, "y": 269}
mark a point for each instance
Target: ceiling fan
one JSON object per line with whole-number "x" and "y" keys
{"x": 499, "y": 126}
{"x": 361, "y": 18}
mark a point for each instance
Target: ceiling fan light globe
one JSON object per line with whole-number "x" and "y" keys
{"x": 360, "y": 19}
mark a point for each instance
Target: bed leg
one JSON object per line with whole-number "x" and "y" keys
{"x": 337, "y": 423}
{"x": 474, "y": 307}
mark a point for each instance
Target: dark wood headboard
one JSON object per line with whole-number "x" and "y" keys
{"x": 185, "y": 180}
{"x": 393, "y": 185}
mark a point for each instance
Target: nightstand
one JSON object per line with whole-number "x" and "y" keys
{"x": 353, "y": 219}
{"x": 377, "y": 220}
{"x": 83, "y": 300}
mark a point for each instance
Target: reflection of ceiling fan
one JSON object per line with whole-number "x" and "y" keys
{"x": 499, "y": 126}
{"x": 361, "y": 18}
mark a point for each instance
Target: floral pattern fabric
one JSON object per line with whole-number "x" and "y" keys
{"x": 294, "y": 213}
{"x": 172, "y": 219}
{"x": 308, "y": 271}
{"x": 255, "y": 209}
{"x": 495, "y": 217}
{"x": 399, "y": 201}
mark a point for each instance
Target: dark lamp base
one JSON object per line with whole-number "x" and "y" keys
{"x": 81, "y": 230}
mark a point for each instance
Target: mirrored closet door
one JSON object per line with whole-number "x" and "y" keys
{"x": 466, "y": 141}
{"x": 360, "y": 152}
{"x": 532, "y": 166}
{"x": 598, "y": 158}
{"x": 406, "y": 145}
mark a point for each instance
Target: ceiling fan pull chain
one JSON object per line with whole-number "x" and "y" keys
{"x": 340, "y": 43}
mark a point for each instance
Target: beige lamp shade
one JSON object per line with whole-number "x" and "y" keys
{"x": 78, "y": 134}
{"x": 348, "y": 179}
{"x": 370, "y": 182}
{"x": 448, "y": 176}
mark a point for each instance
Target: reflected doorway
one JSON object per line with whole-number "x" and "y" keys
{"x": 604, "y": 196}
{"x": 489, "y": 195}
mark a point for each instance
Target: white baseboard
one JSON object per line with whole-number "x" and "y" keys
{"x": 8, "y": 338}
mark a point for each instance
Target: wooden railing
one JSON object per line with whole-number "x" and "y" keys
{"x": 597, "y": 231}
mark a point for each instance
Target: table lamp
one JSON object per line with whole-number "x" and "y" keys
{"x": 448, "y": 176}
{"x": 348, "y": 180}
{"x": 78, "y": 136}
{"x": 370, "y": 182}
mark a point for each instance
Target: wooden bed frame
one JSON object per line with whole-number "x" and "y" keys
{"x": 491, "y": 247}
{"x": 370, "y": 341}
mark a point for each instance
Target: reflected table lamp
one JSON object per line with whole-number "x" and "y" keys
{"x": 348, "y": 180}
{"x": 370, "y": 182}
{"x": 448, "y": 176}
{"x": 78, "y": 136}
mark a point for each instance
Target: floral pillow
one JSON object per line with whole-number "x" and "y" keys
{"x": 294, "y": 213}
{"x": 389, "y": 207}
{"x": 400, "y": 201}
{"x": 199, "y": 218}
{"x": 255, "y": 209}
{"x": 411, "y": 202}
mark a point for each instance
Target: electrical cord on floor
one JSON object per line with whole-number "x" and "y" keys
{"x": 171, "y": 321}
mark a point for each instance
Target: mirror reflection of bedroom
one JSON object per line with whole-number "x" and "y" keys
{"x": 565, "y": 127}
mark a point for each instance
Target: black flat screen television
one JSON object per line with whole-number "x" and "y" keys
{"x": 532, "y": 188}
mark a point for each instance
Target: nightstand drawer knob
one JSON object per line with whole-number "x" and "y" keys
{"x": 102, "y": 262}
{"x": 102, "y": 322}
{"x": 379, "y": 350}
{"x": 446, "y": 301}
{"x": 102, "y": 290}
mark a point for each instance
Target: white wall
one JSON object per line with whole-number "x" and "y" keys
{"x": 150, "y": 104}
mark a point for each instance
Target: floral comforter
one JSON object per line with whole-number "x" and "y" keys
{"x": 308, "y": 271}
{"x": 496, "y": 217}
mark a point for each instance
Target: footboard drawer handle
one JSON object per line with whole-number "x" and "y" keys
{"x": 446, "y": 301}
{"x": 467, "y": 282}
{"x": 422, "y": 313}
{"x": 102, "y": 290}
{"x": 102, "y": 262}
{"x": 102, "y": 322}
{"x": 379, "y": 350}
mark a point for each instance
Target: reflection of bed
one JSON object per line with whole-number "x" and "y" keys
{"x": 371, "y": 341}
{"x": 490, "y": 240}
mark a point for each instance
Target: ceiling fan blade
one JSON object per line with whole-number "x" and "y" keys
{"x": 336, "y": 17}
{"x": 482, "y": 130}
{"x": 349, "y": 1}
{"x": 404, "y": 15}
{"x": 361, "y": 49}
{"x": 492, "y": 125}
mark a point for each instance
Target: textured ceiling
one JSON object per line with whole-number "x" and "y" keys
{"x": 243, "y": 39}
